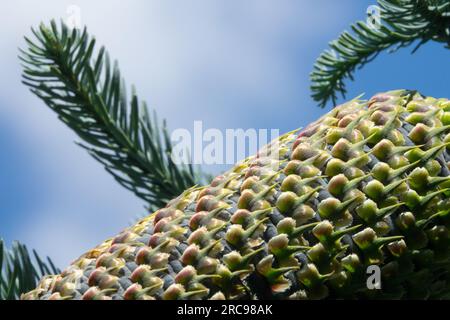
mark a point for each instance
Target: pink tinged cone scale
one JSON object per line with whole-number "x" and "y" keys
{"x": 366, "y": 184}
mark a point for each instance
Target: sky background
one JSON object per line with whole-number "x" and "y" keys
{"x": 232, "y": 64}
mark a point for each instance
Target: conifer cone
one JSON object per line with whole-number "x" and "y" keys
{"x": 366, "y": 184}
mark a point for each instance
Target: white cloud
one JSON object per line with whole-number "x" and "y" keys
{"x": 192, "y": 60}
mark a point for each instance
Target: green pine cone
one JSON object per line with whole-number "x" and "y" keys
{"x": 366, "y": 185}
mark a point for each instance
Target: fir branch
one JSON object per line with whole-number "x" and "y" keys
{"x": 402, "y": 23}
{"x": 20, "y": 271}
{"x": 63, "y": 68}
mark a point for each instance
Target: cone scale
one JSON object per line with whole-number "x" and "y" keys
{"x": 366, "y": 184}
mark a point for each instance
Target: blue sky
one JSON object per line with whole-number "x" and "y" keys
{"x": 231, "y": 64}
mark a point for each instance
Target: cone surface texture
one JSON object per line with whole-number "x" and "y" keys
{"x": 365, "y": 187}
